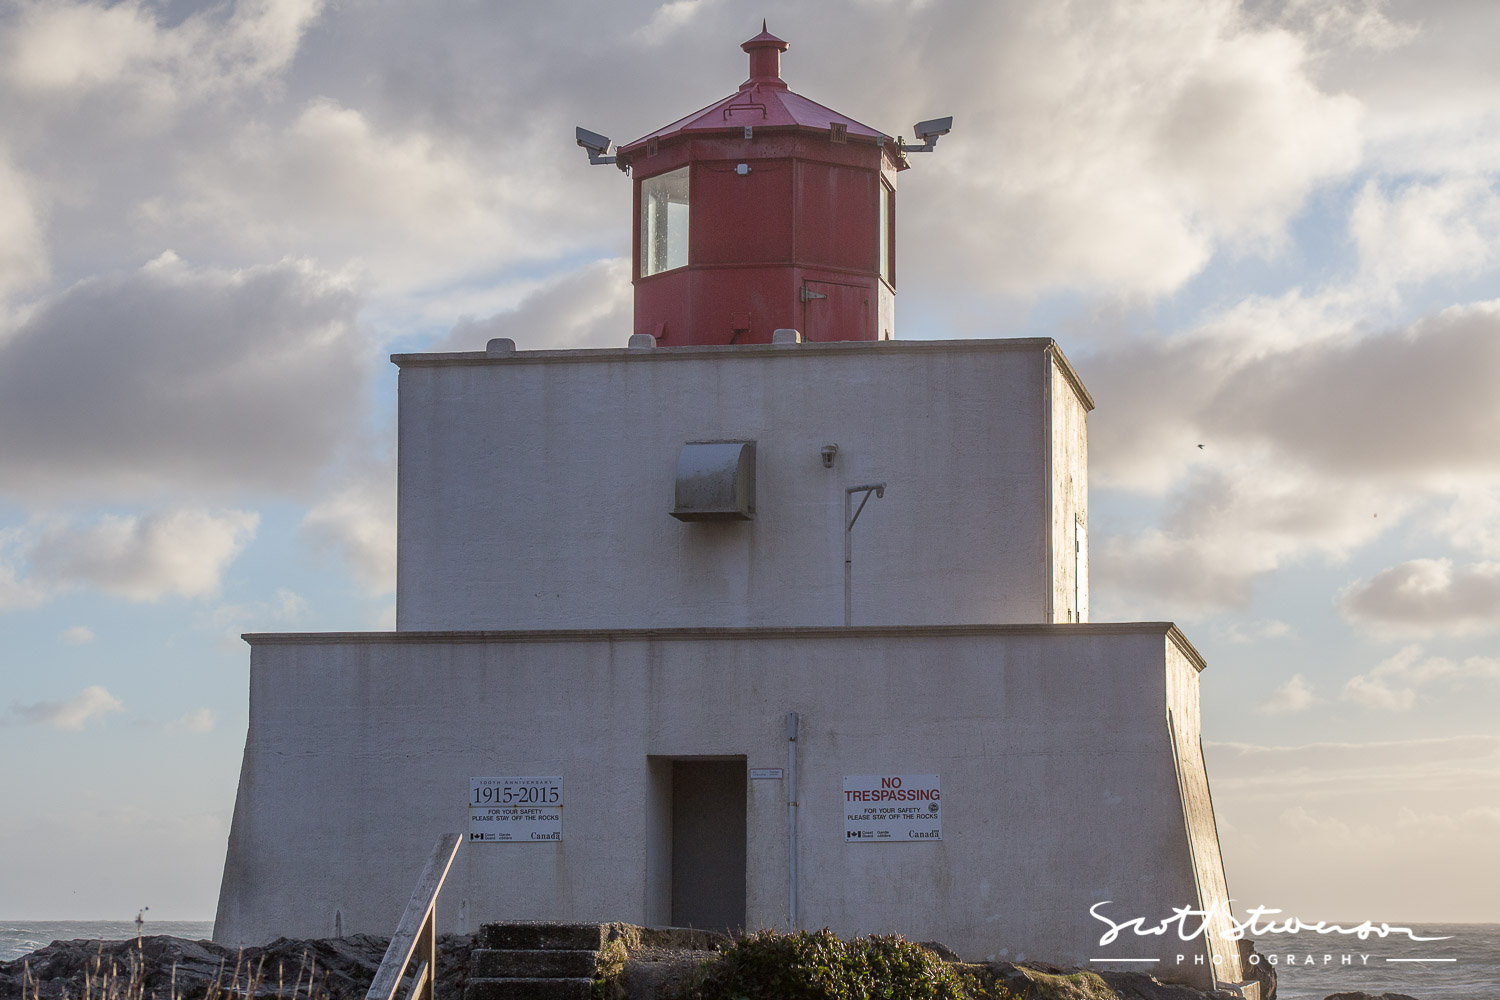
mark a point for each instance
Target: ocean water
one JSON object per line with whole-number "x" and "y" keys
{"x": 19, "y": 938}
{"x": 1464, "y": 967}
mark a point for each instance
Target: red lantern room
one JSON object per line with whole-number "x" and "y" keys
{"x": 764, "y": 211}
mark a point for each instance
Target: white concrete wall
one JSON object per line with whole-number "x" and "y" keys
{"x": 1198, "y": 810}
{"x": 1059, "y": 778}
{"x": 535, "y": 487}
{"x": 1069, "y": 404}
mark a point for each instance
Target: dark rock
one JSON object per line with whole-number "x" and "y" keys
{"x": 942, "y": 951}
{"x": 161, "y": 967}
{"x": 1140, "y": 986}
{"x": 1259, "y": 970}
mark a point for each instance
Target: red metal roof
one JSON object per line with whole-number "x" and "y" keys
{"x": 763, "y": 101}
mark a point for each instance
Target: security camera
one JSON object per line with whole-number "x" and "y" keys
{"x": 933, "y": 127}
{"x": 599, "y": 146}
{"x": 928, "y": 132}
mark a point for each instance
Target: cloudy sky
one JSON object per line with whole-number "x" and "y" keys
{"x": 1267, "y": 234}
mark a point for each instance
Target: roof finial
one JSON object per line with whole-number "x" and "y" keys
{"x": 765, "y": 59}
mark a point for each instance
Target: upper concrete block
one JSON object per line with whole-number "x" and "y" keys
{"x": 536, "y": 491}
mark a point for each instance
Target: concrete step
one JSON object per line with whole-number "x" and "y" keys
{"x": 532, "y": 963}
{"x": 529, "y": 989}
{"x": 539, "y": 936}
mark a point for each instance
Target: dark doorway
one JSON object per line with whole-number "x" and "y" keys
{"x": 708, "y": 844}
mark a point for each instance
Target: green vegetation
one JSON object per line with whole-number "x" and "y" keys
{"x": 611, "y": 966}
{"x": 820, "y": 966}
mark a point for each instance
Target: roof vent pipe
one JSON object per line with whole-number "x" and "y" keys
{"x": 765, "y": 59}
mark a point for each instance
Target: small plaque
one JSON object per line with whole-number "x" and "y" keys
{"x": 767, "y": 774}
{"x": 515, "y": 810}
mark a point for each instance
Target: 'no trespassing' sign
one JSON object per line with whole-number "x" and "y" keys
{"x": 892, "y": 808}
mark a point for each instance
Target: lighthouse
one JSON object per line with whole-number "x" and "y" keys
{"x": 765, "y": 211}
{"x": 763, "y": 618}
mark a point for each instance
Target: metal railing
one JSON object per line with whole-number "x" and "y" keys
{"x": 416, "y": 934}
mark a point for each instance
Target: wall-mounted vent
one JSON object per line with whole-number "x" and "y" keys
{"x": 716, "y": 481}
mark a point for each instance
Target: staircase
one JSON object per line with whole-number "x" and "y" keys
{"x": 535, "y": 961}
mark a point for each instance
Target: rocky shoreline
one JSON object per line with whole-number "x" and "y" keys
{"x": 171, "y": 968}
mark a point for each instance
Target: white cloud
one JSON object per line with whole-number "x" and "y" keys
{"x": 1452, "y": 762}
{"x": 74, "y": 50}
{"x": 199, "y": 721}
{"x": 1356, "y": 24}
{"x": 1426, "y": 229}
{"x": 1472, "y": 522}
{"x": 76, "y": 635}
{"x": 357, "y": 524}
{"x": 1242, "y": 633}
{"x": 1410, "y": 668}
{"x": 669, "y": 18}
{"x": 1375, "y": 692}
{"x": 1304, "y": 827}
{"x": 409, "y": 208}
{"x": 233, "y": 619}
{"x": 1295, "y": 695}
{"x": 92, "y": 702}
{"x": 18, "y": 592}
{"x": 23, "y": 249}
{"x": 1394, "y": 683}
{"x": 145, "y": 557}
{"x": 181, "y": 377}
{"x": 1312, "y": 446}
{"x": 591, "y": 306}
{"x": 1229, "y": 523}
{"x": 1399, "y": 402}
{"x": 1114, "y": 147}
{"x": 1426, "y": 597}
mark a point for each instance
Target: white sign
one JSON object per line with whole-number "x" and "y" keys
{"x": 515, "y": 810}
{"x": 892, "y": 808}
{"x": 765, "y": 774}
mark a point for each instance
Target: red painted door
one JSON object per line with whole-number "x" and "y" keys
{"x": 832, "y": 311}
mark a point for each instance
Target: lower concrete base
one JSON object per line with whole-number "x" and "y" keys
{"x": 1063, "y": 760}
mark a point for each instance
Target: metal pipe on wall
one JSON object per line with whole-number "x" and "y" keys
{"x": 879, "y": 490}
{"x": 793, "y": 721}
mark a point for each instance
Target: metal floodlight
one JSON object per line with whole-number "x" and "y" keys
{"x": 599, "y": 146}
{"x": 929, "y": 132}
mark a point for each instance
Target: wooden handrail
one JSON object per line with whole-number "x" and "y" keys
{"x": 416, "y": 934}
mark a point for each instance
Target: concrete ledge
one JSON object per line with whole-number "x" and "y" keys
{"x": 1167, "y": 630}
{"x": 529, "y": 989}
{"x": 542, "y": 935}
{"x": 532, "y": 963}
{"x": 806, "y": 349}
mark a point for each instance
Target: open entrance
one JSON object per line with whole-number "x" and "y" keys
{"x": 708, "y": 843}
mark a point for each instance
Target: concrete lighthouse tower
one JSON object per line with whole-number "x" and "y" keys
{"x": 726, "y": 629}
{"x": 764, "y": 210}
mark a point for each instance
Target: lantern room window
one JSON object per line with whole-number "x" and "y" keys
{"x": 887, "y": 234}
{"x": 664, "y": 222}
